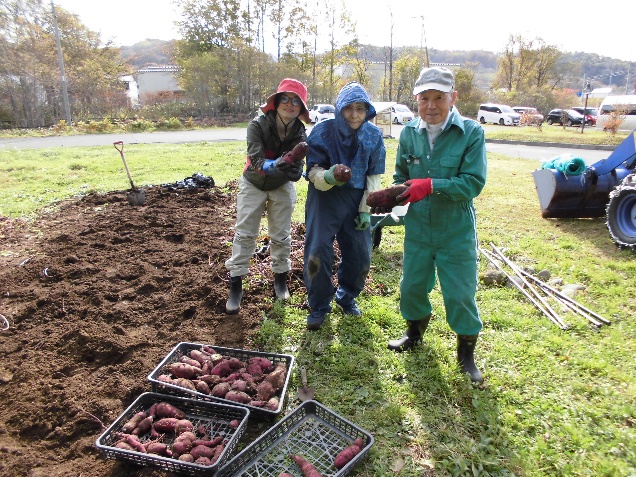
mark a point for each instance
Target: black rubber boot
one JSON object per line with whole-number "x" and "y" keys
{"x": 412, "y": 336}
{"x": 466, "y": 357}
{"x": 233, "y": 304}
{"x": 280, "y": 286}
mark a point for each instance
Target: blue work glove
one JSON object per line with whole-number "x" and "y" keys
{"x": 330, "y": 179}
{"x": 274, "y": 166}
{"x": 363, "y": 221}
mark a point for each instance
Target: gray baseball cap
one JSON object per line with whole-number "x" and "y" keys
{"x": 437, "y": 78}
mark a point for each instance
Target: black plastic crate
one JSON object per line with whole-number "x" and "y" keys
{"x": 183, "y": 349}
{"x": 214, "y": 417}
{"x": 312, "y": 431}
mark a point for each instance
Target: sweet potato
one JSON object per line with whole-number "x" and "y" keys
{"x": 202, "y": 451}
{"x": 265, "y": 390}
{"x": 277, "y": 377}
{"x": 183, "y": 425}
{"x": 144, "y": 426}
{"x": 190, "y": 361}
{"x": 210, "y": 379}
{"x": 201, "y": 386}
{"x": 234, "y": 423}
{"x": 346, "y": 455}
{"x": 238, "y": 396}
{"x": 184, "y": 370}
{"x": 165, "y": 409}
{"x": 264, "y": 363}
{"x": 221, "y": 389}
{"x": 165, "y": 425}
{"x": 199, "y": 356}
{"x": 222, "y": 369}
{"x": 306, "y": 467}
{"x": 218, "y": 450}
{"x": 186, "y": 458}
{"x": 272, "y": 404}
{"x": 184, "y": 383}
{"x": 133, "y": 422}
{"x": 158, "y": 448}
{"x": 285, "y": 474}
{"x": 342, "y": 173}
{"x": 297, "y": 154}
{"x": 386, "y": 198}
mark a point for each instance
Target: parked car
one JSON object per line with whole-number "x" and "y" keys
{"x": 566, "y": 117}
{"x": 529, "y": 115}
{"x": 320, "y": 112}
{"x": 591, "y": 114}
{"x": 626, "y": 105}
{"x": 498, "y": 114}
{"x": 401, "y": 114}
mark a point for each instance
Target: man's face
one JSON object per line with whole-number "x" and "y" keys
{"x": 355, "y": 114}
{"x": 433, "y": 106}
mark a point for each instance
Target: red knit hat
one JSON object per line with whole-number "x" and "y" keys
{"x": 289, "y": 85}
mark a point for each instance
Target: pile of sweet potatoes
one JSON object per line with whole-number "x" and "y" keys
{"x": 164, "y": 430}
{"x": 257, "y": 382}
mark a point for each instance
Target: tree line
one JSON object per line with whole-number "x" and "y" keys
{"x": 224, "y": 68}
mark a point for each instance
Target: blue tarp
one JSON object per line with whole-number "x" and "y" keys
{"x": 567, "y": 163}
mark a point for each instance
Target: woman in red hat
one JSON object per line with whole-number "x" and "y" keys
{"x": 266, "y": 185}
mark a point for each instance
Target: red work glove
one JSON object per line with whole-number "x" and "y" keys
{"x": 418, "y": 189}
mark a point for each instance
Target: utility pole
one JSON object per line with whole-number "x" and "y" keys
{"x": 587, "y": 89}
{"x": 60, "y": 58}
{"x": 423, "y": 44}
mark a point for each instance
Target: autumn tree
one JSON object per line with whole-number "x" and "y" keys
{"x": 29, "y": 73}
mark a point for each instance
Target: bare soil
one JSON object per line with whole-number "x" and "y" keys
{"x": 95, "y": 295}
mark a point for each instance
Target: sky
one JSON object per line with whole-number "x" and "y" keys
{"x": 458, "y": 25}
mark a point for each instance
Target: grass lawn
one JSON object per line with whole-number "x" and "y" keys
{"x": 555, "y": 402}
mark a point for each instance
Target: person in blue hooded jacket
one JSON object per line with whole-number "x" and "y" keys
{"x": 337, "y": 210}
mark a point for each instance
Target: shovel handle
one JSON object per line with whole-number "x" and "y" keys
{"x": 119, "y": 145}
{"x": 303, "y": 376}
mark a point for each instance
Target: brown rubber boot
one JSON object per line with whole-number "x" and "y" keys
{"x": 233, "y": 304}
{"x": 466, "y": 357}
{"x": 412, "y": 336}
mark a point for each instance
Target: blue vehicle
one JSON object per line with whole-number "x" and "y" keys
{"x": 604, "y": 189}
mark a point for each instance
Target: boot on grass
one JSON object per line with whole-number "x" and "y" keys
{"x": 466, "y": 357}
{"x": 412, "y": 336}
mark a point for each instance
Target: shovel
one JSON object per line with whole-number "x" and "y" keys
{"x": 305, "y": 393}
{"x": 135, "y": 196}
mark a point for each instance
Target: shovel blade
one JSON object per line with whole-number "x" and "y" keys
{"x": 136, "y": 197}
{"x": 304, "y": 393}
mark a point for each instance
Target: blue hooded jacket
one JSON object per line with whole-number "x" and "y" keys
{"x": 333, "y": 141}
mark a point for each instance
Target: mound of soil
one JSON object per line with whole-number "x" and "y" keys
{"x": 94, "y": 296}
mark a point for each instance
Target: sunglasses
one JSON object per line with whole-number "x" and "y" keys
{"x": 284, "y": 99}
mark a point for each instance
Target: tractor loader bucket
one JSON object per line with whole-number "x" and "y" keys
{"x": 587, "y": 194}
{"x": 580, "y": 196}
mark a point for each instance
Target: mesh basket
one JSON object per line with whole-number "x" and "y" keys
{"x": 214, "y": 417}
{"x": 183, "y": 349}
{"x": 312, "y": 431}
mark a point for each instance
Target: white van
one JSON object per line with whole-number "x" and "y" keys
{"x": 627, "y": 102}
{"x": 498, "y": 114}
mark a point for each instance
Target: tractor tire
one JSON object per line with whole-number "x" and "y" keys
{"x": 621, "y": 213}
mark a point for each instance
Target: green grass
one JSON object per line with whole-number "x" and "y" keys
{"x": 555, "y": 402}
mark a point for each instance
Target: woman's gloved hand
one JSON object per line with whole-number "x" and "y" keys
{"x": 417, "y": 190}
{"x": 363, "y": 221}
{"x": 338, "y": 175}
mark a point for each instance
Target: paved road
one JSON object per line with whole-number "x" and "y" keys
{"x": 533, "y": 152}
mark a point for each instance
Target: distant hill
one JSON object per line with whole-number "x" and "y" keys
{"x": 600, "y": 70}
{"x": 149, "y": 52}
